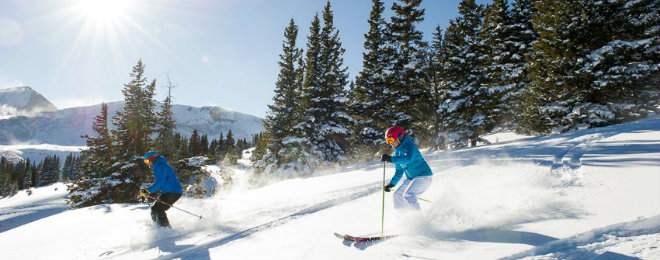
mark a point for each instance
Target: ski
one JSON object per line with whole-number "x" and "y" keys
{"x": 363, "y": 239}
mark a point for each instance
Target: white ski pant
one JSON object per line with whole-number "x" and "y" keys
{"x": 405, "y": 196}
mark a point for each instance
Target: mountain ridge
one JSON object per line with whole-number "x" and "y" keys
{"x": 65, "y": 126}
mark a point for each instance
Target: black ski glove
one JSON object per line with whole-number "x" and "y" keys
{"x": 388, "y": 187}
{"x": 386, "y": 158}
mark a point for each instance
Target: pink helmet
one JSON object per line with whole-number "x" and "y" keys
{"x": 394, "y": 133}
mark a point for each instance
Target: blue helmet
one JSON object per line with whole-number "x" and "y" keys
{"x": 150, "y": 154}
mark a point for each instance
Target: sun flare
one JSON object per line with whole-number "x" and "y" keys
{"x": 104, "y": 11}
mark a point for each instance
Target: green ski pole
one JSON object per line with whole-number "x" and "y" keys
{"x": 382, "y": 217}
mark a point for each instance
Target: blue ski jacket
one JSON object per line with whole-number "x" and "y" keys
{"x": 407, "y": 159}
{"x": 164, "y": 178}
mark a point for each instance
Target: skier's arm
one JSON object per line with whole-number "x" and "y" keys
{"x": 159, "y": 180}
{"x": 397, "y": 175}
{"x": 402, "y": 159}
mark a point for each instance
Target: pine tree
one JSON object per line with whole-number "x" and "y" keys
{"x": 436, "y": 78}
{"x": 306, "y": 153}
{"x": 260, "y": 144}
{"x": 229, "y": 140}
{"x": 89, "y": 187}
{"x": 135, "y": 126}
{"x": 283, "y": 115}
{"x": 213, "y": 147}
{"x": 502, "y": 77}
{"x": 204, "y": 145}
{"x": 69, "y": 168}
{"x": 34, "y": 175}
{"x": 231, "y": 156}
{"x": 165, "y": 141}
{"x": 183, "y": 150}
{"x": 464, "y": 110}
{"x": 564, "y": 98}
{"x": 523, "y": 35}
{"x": 370, "y": 95}
{"x": 195, "y": 144}
{"x": 334, "y": 123}
{"x": 410, "y": 98}
{"x": 27, "y": 182}
{"x": 626, "y": 67}
{"x": 221, "y": 149}
{"x": 50, "y": 170}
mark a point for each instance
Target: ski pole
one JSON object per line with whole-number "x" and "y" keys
{"x": 425, "y": 200}
{"x": 382, "y": 217}
{"x": 155, "y": 200}
{"x": 200, "y": 216}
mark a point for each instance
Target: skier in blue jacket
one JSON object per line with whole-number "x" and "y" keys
{"x": 407, "y": 159}
{"x": 166, "y": 182}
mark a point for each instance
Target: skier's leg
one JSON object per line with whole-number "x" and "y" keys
{"x": 399, "y": 200}
{"x": 417, "y": 186}
{"x": 168, "y": 198}
{"x": 157, "y": 211}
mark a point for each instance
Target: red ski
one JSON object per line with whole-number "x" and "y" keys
{"x": 363, "y": 239}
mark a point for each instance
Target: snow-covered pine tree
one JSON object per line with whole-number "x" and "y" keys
{"x": 132, "y": 136}
{"x": 552, "y": 92}
{"x": 410, "y": 97}
{"x": 321, "y": 133}
{"x": 626, "y": 68}
{"x": 371, "y": 95}
{"x": 463, "y": 109}
{"x": 523, "y": 35}
{"x": 571, "y": 39}
{"x": 90, "y": 186}
{"x": 334, "y": 123}
{"x": 283, "y": 114}
{"x": 503, "y": 67}
{"x": 70, "y": 168}
{"x": 306, "y": 157}
{"x": 436, "y": 79}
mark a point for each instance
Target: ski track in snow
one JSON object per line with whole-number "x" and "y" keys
{"x": 593, "y": 244}
{"x": 200, "y": 251}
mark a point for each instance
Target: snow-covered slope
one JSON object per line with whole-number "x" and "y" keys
{"x": 23, "y": 101}
{"x": 65, "y": 126}
{"x": 592, "y": 194}
{"x": 38, "y": 152}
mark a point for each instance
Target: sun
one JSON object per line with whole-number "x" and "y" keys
{"x": 103, "y": 12}
{"x": 106, "y": 32}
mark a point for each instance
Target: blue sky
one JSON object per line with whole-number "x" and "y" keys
{"x": 217, "y": 52}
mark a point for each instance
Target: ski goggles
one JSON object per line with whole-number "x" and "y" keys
{"x": 148, "y": 160}
{"x": 390, "y": 140}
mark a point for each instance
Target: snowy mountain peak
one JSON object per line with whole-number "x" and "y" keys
{"x": 23, "y": 101}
